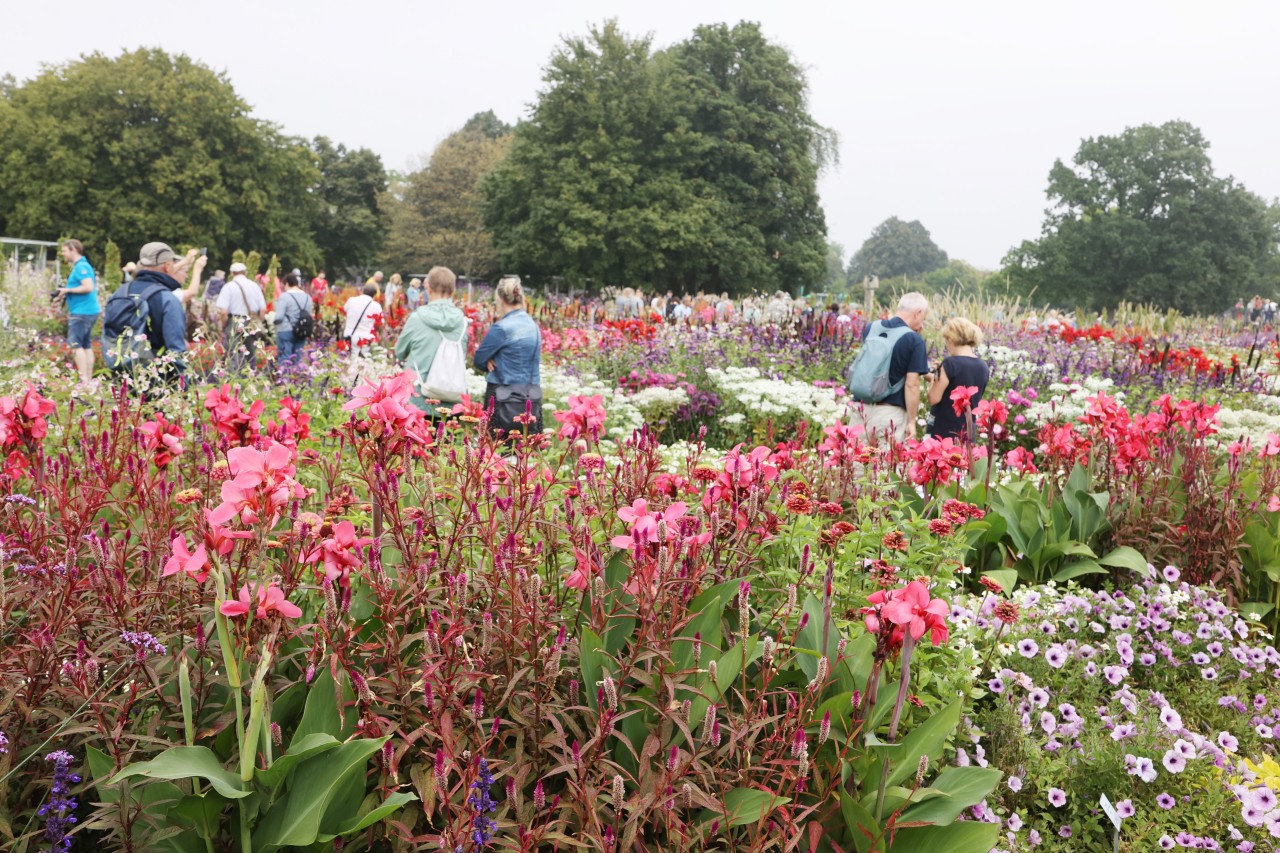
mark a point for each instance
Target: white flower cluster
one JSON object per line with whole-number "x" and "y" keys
{"x": 1066, "y": 401}
{"x": 558, "y": 386}
{"x": 758, "y": 397}
{"x": 659, "y": 404}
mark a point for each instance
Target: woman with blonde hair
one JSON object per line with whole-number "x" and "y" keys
{"x": 511, "y": 353}
{"x": 960, "y": 369}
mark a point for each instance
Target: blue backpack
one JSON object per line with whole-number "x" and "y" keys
{"x": 869, "y": 373}
{"x": 124, "y": 327}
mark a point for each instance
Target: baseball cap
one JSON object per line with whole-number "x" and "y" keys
{"x": 239, "y": 267}
{"x": 156, "y": 254}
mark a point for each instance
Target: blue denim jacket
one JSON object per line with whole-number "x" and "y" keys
{"x": 515, "y": 345}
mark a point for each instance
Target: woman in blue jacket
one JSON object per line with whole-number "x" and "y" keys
{"x": 511, "y": 353}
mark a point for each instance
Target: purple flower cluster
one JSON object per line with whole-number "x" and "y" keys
{"x": 58, "y": 811}
{"x": 1124, "y": 653}
{"x": 144, "y": 642}
{"x": 482, "y": 804}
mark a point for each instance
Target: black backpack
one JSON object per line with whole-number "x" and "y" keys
{"x": 303, "y": 327}
{"x": 124, "y": 327}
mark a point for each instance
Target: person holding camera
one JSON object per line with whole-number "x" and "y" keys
{"x": 81, "y": 294}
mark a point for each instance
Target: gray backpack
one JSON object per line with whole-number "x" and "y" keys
{"x": 124, "y": 327}
{"x": 869, "y": 373}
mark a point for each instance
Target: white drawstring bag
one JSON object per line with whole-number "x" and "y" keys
{"x": 446, "y": 381}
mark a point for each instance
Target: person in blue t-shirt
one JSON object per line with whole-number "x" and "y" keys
{"x": 81, "y": 292}
{"x": 894, "y": 417}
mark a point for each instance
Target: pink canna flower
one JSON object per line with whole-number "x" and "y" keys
{"x": 644, "y": 524}
{"x": 961, "y": 397}
{"x": 912, "y": 609}
{"x": 194, "y": 563}
{"x": 270, "y": 600}
{"x": 163, "y": 438}
{"x": 585, "y": 418}
{"x": 262, "y": 485}
{"x": 222, "y": 540}
{"x": 388, "y": 405}
{"x": 583, "y": 573}
{"x": 340, "y": 553}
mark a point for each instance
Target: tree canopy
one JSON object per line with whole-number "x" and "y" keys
{"x": 694, "y": 167}
{"x": 1142, "y": 217}
{"x": 349, "y": 225}
{"x": 148, "y": 146}
{"x": 437, "y": 215}
{"x": 897, "y": 248}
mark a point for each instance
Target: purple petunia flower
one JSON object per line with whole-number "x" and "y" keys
{"x": 1165, "y": 801}
{"x": 1028, "y": 648}
{"x": 1057, "y": 797}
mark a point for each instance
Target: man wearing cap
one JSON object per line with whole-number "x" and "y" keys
{"x": 81, "y": 292}
{"x": 240, "y": 301}
{"x": 166, "y": 321}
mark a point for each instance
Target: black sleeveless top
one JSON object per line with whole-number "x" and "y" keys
{"x": 962, "y": 371}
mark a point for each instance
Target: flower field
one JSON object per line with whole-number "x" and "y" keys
{"x": 700, "y": 612}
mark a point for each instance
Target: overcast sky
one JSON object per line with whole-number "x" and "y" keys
{"x": 950, "y": 113}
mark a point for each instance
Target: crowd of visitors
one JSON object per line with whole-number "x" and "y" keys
{"x": 886, "y": 382}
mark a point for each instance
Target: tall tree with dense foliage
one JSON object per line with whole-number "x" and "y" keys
{"x": 349, "y": 225}
{"x": 897, "y": 248}
{"x": 695, "y": 167}
{"x": 437, "y": 214}
{"x": 150, "y": 146}
{"x": 1142, "y": 217}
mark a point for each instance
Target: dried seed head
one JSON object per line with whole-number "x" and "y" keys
{"x": 276, "y": 737}
{"x": 610, "y": 693}
{"x": 686, "y": 711}
{"x": 697, "y": 648}
{"x": 686, "y": 794}
{"x": 820, "y": 677}
{"x": 768, "y": 651}
{"x": 791, "y": 598}
{"x": 922, "y": 769}
{"x": 824, "y": 728}
{"x": 619, "y": 793}
{"x": 712, "y": 670}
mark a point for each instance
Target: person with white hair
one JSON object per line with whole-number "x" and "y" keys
{"x": 902, "y": 360}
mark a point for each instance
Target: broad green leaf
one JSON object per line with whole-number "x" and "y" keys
{"x": 299, "y": 750}
{"x": 959, "y": 837}
{"x": 1078, "y": 568}
{"x": 390, "y": 805}
{"x": 1257, "y": 609}
{"x": 294, "y": 820}
{"x": 1125, "y": 557}
{"x": 100, "y": 767}
{"x": 862, "y": 827}
{"x": 1066, "y": 548}
{"x": 320, "y": 715}
{"x": 962, "y": 787}
{"x": 187, "y": 762}
{"x": 1007, "y": 578}
{"x": 748, "y": 805}
{"x": 928, "y": 738}
{"x": 202, "y": 812}
{"x": 592, "y": 661}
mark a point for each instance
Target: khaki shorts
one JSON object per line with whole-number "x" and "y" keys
{"x": 881, "y": 421}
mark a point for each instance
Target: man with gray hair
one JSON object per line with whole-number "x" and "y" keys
{"x": 896, "y": 352}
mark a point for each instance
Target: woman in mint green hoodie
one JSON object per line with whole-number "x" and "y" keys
{"x": 427, "y": 327}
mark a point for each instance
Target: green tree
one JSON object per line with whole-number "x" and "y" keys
{"x": 897, "y": 248}
{"x": 350, "y": 226}
{"x": 836, "y": 279}
{"x": 150, "y": 146}
{"x": 112, "y": 271}
{"x": 437, "y": 214}
{"x": 691, "y": 168}
{"x": 487, "y": 124}
{"x": 1142, "y": 217}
